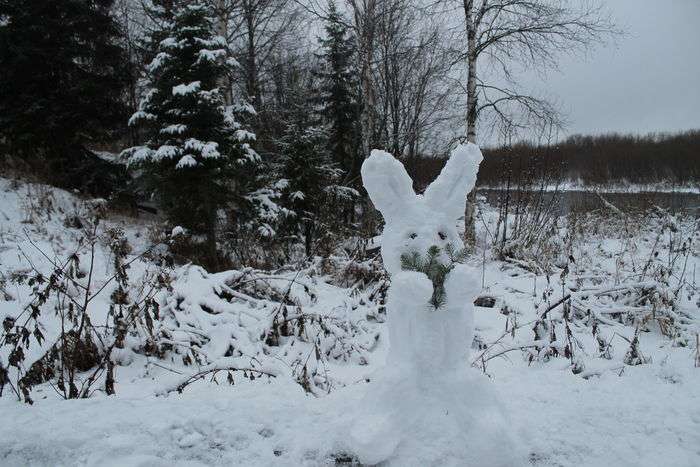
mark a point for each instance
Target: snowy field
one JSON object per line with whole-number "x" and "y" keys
{"x": 594, "y": 407}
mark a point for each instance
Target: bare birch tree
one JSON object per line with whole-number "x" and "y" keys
{"x": 527, "y": 32}
{"x": 506, "y": 33}
{"x": 364, "y": 21}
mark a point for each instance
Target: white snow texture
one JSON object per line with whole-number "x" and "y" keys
{"x": 427, "y": 405}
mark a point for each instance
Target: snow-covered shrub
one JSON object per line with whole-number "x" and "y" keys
{"x": 526, "y": 229}
{"x": 361, "y": 272}
{"x": 69, "y": 334}
{"x": 651, "y": 278}
{"x": 38, "y": 204}
{"x": 624, "y": 278}
{"x": 251, "y": 320}
{"x": 292, "y": 321}
{"x": 634, "y": 355}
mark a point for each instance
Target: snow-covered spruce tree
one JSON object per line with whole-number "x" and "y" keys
{"x": 312, "y": 192}
{"x": 197, "y": 158}
{"x": 61, "y": 85}
{"x": 340, "y": 94}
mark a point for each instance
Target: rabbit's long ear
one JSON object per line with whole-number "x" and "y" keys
{"x": 388, "y": 184}
{"x": 449, "y": 191}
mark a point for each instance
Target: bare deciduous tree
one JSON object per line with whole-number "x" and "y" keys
{"x": 404, "y": 66}
{"x": 256, "y": 30}
{"x": 365, "y": 18}
{"x": 411, "y": 66}
{"x": 505, "y": 33}
{"x": 531, "y": 33}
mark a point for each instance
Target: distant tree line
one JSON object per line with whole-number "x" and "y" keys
{"x": 671, "y": 159}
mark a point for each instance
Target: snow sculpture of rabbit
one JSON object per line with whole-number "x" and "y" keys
{"x": 425, "y": 340}
{"x": 426, "y": 407}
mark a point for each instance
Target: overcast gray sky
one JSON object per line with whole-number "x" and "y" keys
{"x": 648, "y": 81}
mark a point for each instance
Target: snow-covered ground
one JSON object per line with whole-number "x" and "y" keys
{"x": 650, "y": 416}
{"x": 608, "y": 413}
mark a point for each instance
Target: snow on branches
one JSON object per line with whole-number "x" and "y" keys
{"x": 260, "y": 323}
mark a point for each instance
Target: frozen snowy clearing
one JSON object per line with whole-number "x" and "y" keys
{"x": 578, "y": 185}
{"x": 610, "y": 413}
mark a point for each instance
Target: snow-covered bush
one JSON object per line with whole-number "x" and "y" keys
{"x": 623, "y": 278}
{"x": 58, "y": 336}
{"x": 254, "y": 321}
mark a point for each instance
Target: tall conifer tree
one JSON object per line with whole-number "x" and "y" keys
{"x": 340, "y": 94}
{"x": 197, "y": 156}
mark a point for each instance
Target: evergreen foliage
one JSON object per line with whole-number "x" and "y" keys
{"x": 312, "y": 192}
{"x": 197, "y": 158}
{"x": 340, "y": 107}
{"x": 62, "y": 83}
{"x": 432, "y": 266}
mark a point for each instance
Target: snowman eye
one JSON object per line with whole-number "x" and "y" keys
{"x": 412, "y": 235}
{"x": 442, "y": 235}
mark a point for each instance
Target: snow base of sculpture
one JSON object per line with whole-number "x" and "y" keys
{"x": 433, "y": 419}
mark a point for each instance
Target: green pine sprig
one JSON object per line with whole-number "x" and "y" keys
{"x": 430, "y": 265}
